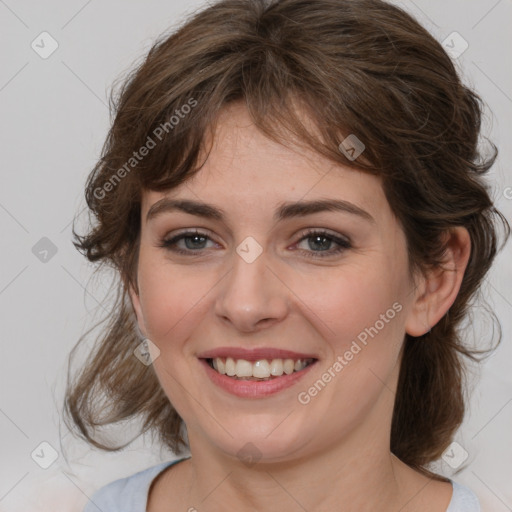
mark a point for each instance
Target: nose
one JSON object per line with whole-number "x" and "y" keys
{"x": 251, "y": 297}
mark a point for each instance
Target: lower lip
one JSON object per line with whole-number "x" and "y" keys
{"x": 253, "y": 388}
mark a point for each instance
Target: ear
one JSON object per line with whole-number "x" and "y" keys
{"x": 135, "y": 299}
{"x": 438, "y": 290}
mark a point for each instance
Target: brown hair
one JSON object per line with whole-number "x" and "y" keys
{"x": 360, "y": 67}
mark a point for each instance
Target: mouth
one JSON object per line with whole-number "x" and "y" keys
{"x": 258, "y": 370}
{"x": 256, "y": 373}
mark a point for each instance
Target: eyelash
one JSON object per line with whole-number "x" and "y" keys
{"x": 343, "y": 243}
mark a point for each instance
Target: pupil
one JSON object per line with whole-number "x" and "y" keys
{"x": 319, "y": 237}
{"x": 194, "y": 238}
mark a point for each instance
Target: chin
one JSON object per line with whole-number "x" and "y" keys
{"x": 261, "y": 445}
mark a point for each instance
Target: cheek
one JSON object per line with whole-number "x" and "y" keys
{"x": 353, "y": 303}
{"x": 172, "y": 296}
{"x": 364, "y": 312}
{"x": 361, "y": 316}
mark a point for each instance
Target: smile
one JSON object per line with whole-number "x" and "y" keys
{"x": 249, "y": 386}
{"x": 263, "y": 369}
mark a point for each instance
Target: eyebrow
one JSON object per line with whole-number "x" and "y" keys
{"x": 284, "y": 211}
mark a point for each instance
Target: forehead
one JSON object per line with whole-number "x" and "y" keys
{"x": 245, "y": 170}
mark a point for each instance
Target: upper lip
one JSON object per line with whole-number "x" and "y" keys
{"x": 253, "y": 354}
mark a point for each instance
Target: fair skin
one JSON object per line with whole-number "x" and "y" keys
{"x": 333, "y": 452}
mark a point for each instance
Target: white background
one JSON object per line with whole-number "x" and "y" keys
{"x": 54, "y": 119}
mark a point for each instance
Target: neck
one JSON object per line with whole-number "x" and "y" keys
{"x": 347, "y": 480}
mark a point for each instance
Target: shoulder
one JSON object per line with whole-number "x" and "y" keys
{"x": 128, "y": 494}
{"x": 463, "y": 499}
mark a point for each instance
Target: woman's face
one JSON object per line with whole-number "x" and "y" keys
{"x": 255, "y": 279}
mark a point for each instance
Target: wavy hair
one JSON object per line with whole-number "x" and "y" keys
{"x": 361, "y": 67}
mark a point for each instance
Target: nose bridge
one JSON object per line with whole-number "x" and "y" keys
{"x": 251, "y": 294}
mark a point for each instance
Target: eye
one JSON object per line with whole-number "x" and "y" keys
{"x": 194, "y": 242}
{"x": 321, "y": 239}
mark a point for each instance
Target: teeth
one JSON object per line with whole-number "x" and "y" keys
{"x": 262, "y": 369}
{"x": 230, "y": 366}
{"x": 276, "y": 367}
{"x": 288, "y": 366}
{"x": 243, "y": 368}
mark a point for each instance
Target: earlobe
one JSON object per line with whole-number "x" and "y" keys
{"x": 439, "y": 289}
{"x": 135, "y": 300}
{"x": 418, "y": 322}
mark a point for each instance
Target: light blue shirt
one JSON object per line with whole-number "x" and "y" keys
{"x": 130, "y": 494}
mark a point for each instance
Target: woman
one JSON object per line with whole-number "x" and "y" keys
{"x": 293, "y": 199}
